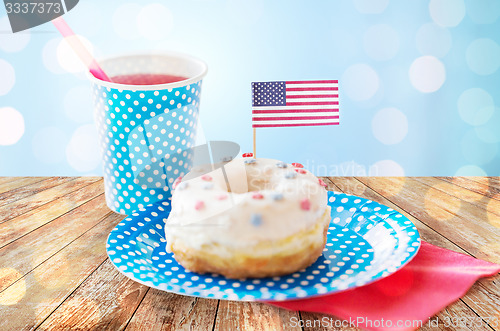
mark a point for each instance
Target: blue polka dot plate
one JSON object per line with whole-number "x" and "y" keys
{"x": 366, "y": 241}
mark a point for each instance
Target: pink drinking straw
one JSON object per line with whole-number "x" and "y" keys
{"x": 80, "y": 49}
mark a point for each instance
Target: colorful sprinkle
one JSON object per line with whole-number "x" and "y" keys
{"x": 256, "y": 219}
{"x": 277, "y": 196}
{"x": 290, "y": 175}
{"x": 199, "y": 205}
{"x": 281, "y": 165}
{"x": 250, "y": 161}
{"x": 182, "y": 186}
{"x": 305, "y": 204}
{"x": 257, "y": 196}
{"x": 322, "y": 183}
{"x": 222, "y": 197}
{"x": 300, "y": 171}
{"x": 208, "y": 186}
{"x": 297, "y": 165}
{"x": 247, "y": 155}
{"x": 176, "y": 182}
{"x": 206, "y": 177}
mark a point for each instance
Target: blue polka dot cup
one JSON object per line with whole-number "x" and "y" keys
{"x": 146, "y": 131}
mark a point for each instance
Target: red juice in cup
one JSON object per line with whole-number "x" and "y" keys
{"x": 146, "y": 79}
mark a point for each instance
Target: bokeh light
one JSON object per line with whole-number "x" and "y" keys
{"x": 244, "y": 12}
{"x": 11, "y": 126}
{"x": 155, "y": 21}
{"x": 447, "y": 12}
{"x": 387, "y": 168}
{"x": 493, "y": 209}
{"x": 475, "y": 150}
{"x": 489, "y": 132}
{"x": 360, "y": 82}
{"x": 124, "y": 18}
{"x": 15, "y": 292}
{"x": 433, "y": 203}
{"x": 470, "y": 170}
{"x": 475, "y": 106}
{"x": 8, "y": 77}
{"x": 483, "y": 11}
{"x": 49, "y": 145}
{"x": 67, "y": 58}
{"x": 427, "y": 74}
{"x": 483, "y": 56}
{"x": 82, "y": 152}
{"x": 10, "y": 42}
{"x": 381, "y": 42}
{"x": 371, "y": 6}
{"x": 434, "y": 63}
{"x": 78, "y": 105}
{"x": 434, "y": 40}
{"x": 390, "y": 126}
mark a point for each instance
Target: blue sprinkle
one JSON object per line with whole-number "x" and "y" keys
{"x": 250, "y": 161}
{"x": 281, "y": 165}
{"x": 208, "y": 186}
{"x": 290, "y": 175}
{"x": 182, "y": 186}
{"x": 256, "y": 219}
{"x": 277, "y": 196}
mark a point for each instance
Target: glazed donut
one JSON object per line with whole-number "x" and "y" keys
{"x": 248, "y": 218}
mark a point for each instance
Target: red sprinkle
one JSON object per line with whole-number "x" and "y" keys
{"x": 199, "y": 205}
{"x": 176, "y": 182}
{"x": 258, "y": 196}
{"x": 297, "y": 165}
{"x": 222, "y": 197}
{"x": 322, "y": 183}
{"x": 305, "y": 204}
{"x": 247, "y": 155}
{"x": 206, "y": 177}
{"x": 300, "y": 171}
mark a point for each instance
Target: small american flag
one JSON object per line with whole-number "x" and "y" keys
{"x": 295, "y": 103}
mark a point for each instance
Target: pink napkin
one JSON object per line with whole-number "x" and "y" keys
{"x": 435, "y": 278}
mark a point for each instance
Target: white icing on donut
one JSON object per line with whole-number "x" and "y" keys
{"x": 244, "y": 202}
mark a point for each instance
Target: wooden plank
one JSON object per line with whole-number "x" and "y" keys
{"x": 484, "y": 298}
{"x": 17, "y": 182}
{"x": 6, "y": 179}
{"x": 167, "y": 311}
{"x": 26, "y": 253}
{"x": 20, "y": 205}
{"x": 487, "y": 289}
{"x": 53, "y": 280}
{"x": 465, "y": 182}
{"x": 17, "y": 227}
{"x": 456, "y": 317}
{"x": 7, "y": 198}
{"x": 474, "y": 204}
{"x": 441, "y": 212}
{"x": 105, "y": 300}
{"x": 234, "y": 315}
{"x": 490, "y": 181}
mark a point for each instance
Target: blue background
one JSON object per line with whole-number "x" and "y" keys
{"x": 419, "y": 81}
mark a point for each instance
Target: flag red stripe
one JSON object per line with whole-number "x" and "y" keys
{"x": 295, "y": 118}
{"x": 320, "y": 103}
{"x": 285, "y": 125}
{"x": 313, "y": 82}
{"x": 309, "y": 96}
{"x": 298, "y": 89}
{"x": 285, "y": 111}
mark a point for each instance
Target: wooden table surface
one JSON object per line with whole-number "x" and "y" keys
{"x": 55, "y": 274}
